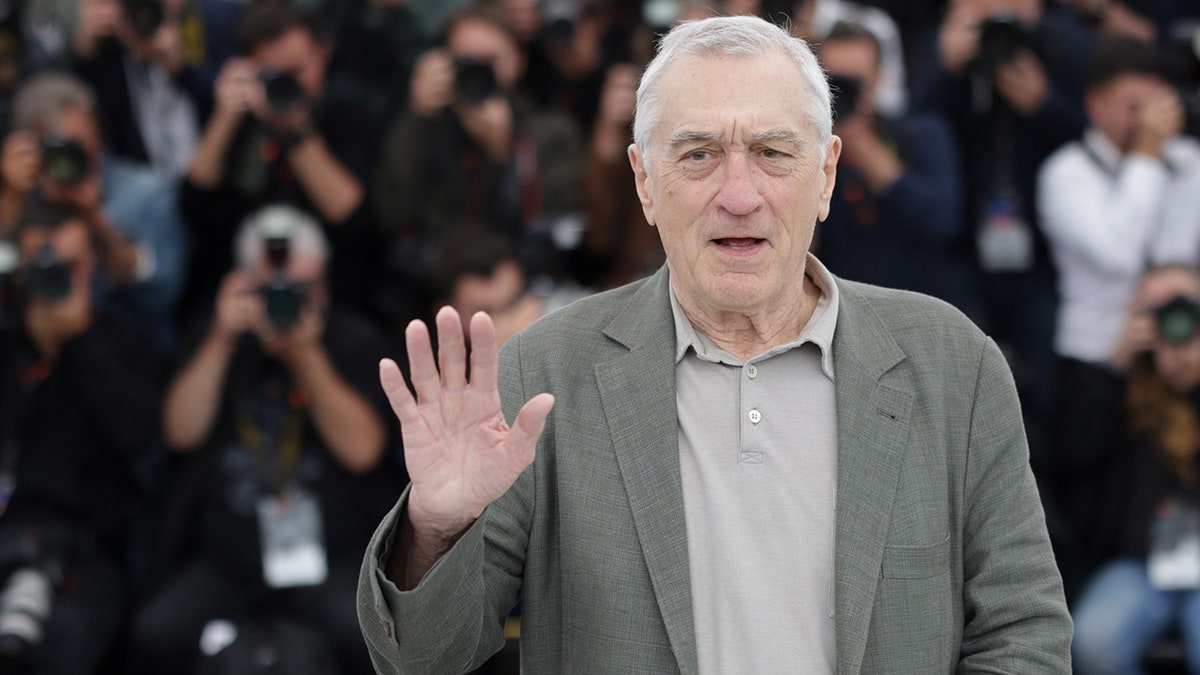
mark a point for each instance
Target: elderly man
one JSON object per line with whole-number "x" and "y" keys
{"x": 750, "y": 466}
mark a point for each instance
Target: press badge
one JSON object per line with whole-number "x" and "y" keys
{"x": 1174, "y": 560}
{"x": 293, "y": 546}
{"x": 1005, "y": 240}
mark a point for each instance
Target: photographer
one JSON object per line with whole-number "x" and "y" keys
{"x": 1007, "y": 76}
{"x": 469, "y": 149}
{"x": 134, "y": 55}
{"x": 274, "y": 136}
{"x": 1148, "y": 585}
{"x": 1126, "y": 195}
{"x": 278, "y": 409}
{"x": 897, "y": 203}
{"x": 78, "y": 415}
{"x": 55, "y": 154}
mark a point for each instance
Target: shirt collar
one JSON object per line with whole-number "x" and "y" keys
{"x": 819, "y": 329}
{"x": 1102, "y": 149}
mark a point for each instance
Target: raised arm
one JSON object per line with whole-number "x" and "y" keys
{"x": 460, "y": 452}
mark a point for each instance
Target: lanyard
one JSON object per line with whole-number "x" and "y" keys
{"x": 287, "y": 449}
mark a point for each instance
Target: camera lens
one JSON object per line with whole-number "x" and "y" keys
{"x": 282, "y": 89}
{"x": 64, "y": 161}
{"x": 1178, "y": 321}
{"x": 474, "y": 81}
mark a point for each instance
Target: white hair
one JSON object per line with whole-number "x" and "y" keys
{"x": 744, "y": 36}
{"x": 304, "y": 233}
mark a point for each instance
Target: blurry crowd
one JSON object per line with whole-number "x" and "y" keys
{"x": 216, "y": 216}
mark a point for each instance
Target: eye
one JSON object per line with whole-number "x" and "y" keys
{"x": 698, "y": 155}
{"x": 772, "y": 153}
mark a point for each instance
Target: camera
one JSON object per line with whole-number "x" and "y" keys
{"x": 47, "y": 278}
{"x": 64, "y": 161}
{"x": 282, "y": 297}
{"x": 1000, "y": 38}
{"x": 558, "y": 21}
{"x": 25, "y": 606}
{"x": 474, "y": 80}
{"x": 1178, "y": 320}
{"x": 282, "y": 89}
{"x": 846, "y": 91}
{"x": 145, "y": 16}
{"x": 33, "y": 564}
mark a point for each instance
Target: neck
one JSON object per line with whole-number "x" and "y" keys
{"x": 747, "y": 334}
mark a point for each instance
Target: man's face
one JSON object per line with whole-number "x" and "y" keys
{"x": 857, "y": 60}
{"x": 494, "y": 295}
{"x": 1113, "y": 108}
{"x": 735, "y": 183}
{"x": 481, "y": 41}
{"x": 299, "y": 54}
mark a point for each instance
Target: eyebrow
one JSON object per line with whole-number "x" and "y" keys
{"x": 781, "y": 134}
{"x": 689, "y": 137}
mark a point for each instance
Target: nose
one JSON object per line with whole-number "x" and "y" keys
{"x": 739, "y": 194}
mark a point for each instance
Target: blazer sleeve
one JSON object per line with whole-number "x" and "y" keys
{"x": 454, "y": 619}
{"x": 1015, "y": 614}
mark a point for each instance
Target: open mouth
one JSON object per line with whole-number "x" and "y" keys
{"x": 738, "y": 243}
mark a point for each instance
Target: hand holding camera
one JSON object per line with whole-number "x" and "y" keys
{"x": 432, "y": 88}
{"x": 20, "y": 160}
{"x": 959, "y": 37}
{"x": 237, "y": 89}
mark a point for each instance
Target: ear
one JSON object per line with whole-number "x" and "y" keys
{"x": 832, "y": 151}
{"x": 644, "y": 182}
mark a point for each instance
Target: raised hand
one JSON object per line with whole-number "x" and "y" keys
{"x": 460, "y": 452}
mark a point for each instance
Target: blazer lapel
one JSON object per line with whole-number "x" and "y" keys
{"x": 638, "y": 394}
{"x": 872, "y": 435}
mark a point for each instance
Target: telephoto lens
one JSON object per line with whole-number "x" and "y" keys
{"x": 47, "y": 278}
{"x": 1178, "y": 320}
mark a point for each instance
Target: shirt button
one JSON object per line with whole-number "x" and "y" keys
{"x": 752, "y": 371}
{"x": 755, "y": 416}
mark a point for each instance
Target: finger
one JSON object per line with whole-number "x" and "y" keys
{"x": 484, "y": 356}
{"x": 397, "y": 392}
{"x": 420, "y": 361}
{"x": 452, "y": 352}
{"x": 528, "y": 427}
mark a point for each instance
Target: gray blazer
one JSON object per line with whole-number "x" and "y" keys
{"x": 942, "y": 558}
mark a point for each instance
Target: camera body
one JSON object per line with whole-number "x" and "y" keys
{"x": 283, "y": 299}
{"x": 145, "y": 16}
{"x": 846, "y": 92}
{"x": 33, "y": 563}
{"x": 64, "y": 161}
{"x": 558, "y": 21}
{"x": 1177, "y": 321}
{"x": 474, "y": 80}
{"x": 282, "y": 89}
{"x": 47, "y": 278}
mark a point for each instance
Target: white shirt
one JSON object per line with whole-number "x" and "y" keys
{"x": 1107, "y": 216}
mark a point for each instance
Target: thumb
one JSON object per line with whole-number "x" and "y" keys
{"x": 528, "y": 426}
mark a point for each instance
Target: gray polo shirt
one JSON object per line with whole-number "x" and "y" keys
{"x": 758, "y": 456}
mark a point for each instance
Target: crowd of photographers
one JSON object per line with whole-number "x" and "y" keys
{"x": 217, "y": 215}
